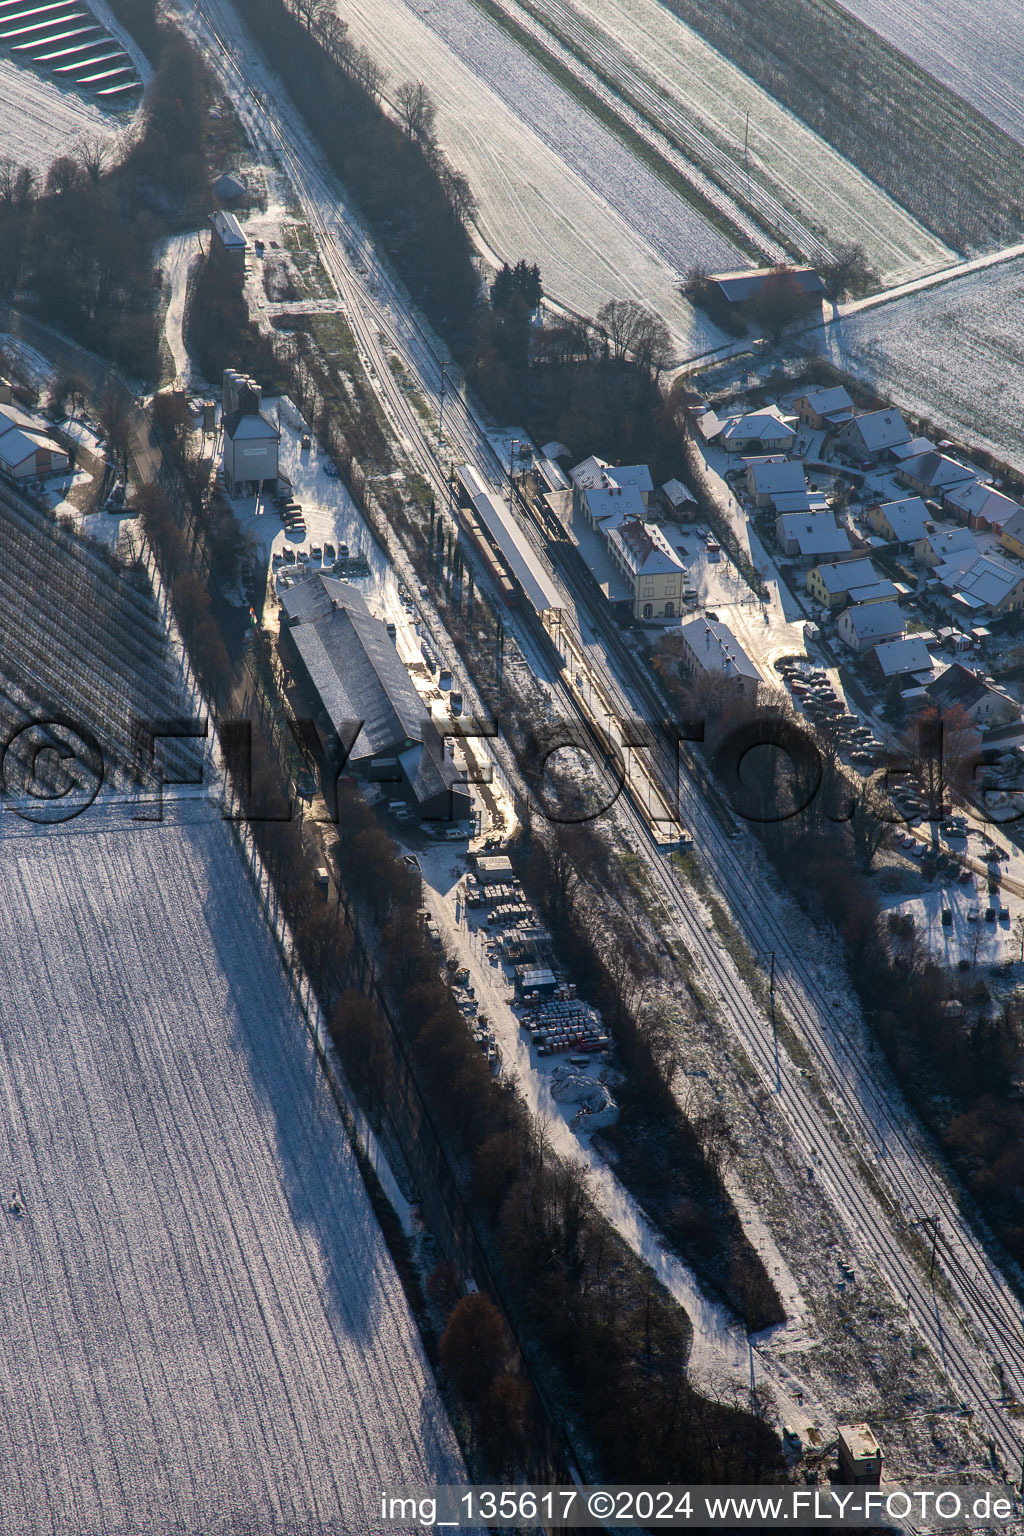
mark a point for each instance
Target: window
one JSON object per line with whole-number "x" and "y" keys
{"x": 670, "y": 609}
{"x": 648, "y": 611}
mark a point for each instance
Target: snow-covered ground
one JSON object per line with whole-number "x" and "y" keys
{"x": 552, "y": 184}
{"x": 176, "y": 258}
{"x": 682, "y": 84}
{"x": 203, "y": 1330}
{"x": 977, "y": 50}
{"x": 38, "y": 121}
{"x": 953, "y": 353}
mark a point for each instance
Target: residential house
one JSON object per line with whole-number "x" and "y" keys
{"x": 901, "y": 658}
{"x": 26, "y": 452}
{"x": 848, "y": 581}
{"x": 711, "y": 650}
{"x": 874, "y": 435}
{"x": 824, "y": 407}
{"x": 228, "y": 243}
{"x": 934, "y": 474}
{"x": 977, "y": 696}
{"x": 900, "y": 522}
{"x": 767, "y": 478}
{"x": 1011, "y": 536}
{"x": 987, "y": 587}
{"x": 654, "y": 571}
{"x": 943, "y": 545}
{"x": 869, "y": 624}
{"x": 765, "y": 431}
{"x": 679, "y": 500}
{"x": 979, "y": 506}
{"x": 811, "y": 538}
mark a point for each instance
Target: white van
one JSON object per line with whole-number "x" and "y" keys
{"x": 454, "y": 835}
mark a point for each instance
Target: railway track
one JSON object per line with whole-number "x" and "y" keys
{"x": 876, "y": 1166}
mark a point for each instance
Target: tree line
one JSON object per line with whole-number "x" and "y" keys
{"x": 414, "y": 201}
{"x": 78, "y": 244}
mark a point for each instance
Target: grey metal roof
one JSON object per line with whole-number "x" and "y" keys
{"x": 355, "y": 669}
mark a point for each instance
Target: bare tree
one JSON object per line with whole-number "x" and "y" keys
{"x": 94, "y": 155}
{"x": 8, "y": 181}
{"x": 415, "y": 107}
{"x": 849, "y": 274}
{"x": 115, "y": 418}
{"x": 371, "y": 75}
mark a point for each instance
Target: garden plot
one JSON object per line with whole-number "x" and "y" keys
{"x": 203, "y": 1331}
{"x": 552, "y": 184}
{"x": 38, "y": 122}
{"x": 953, "y": 354}
{"x": 975, "y": 50}
{"x": 680, "y": 82}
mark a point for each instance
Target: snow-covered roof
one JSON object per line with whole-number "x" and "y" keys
{"x": 716, "y": 648}
{"x": 873, "y": 591}
{"x": 228, "y": 230}
{"x": 813, "y": 535}
{"x": 949, "y": 542}
{"x": 764, "y": 426}
{"x": 19, "y": 443}
{"x": 879, "y": 429}
{"x": 607, "y": 505}
{"x": 826, "y": 400}
{"x": 976, "y": 500}
{"x": 840, "y": 575}
{"x": 249, "y": 426}
{"x": 645, "y": 548}
{"x": 677, "y": 494}
{"x": 985, "y": 583}
{"x": 868, "y": 619}
{"x": 776, "y": 475}
{"x": 911, "y": 448}
{"x": 593, "y": 473}
{"x": 800, "y": 501}
{"x": 897, "y": 657}
{"x": 937, "y": 470}
{"x": 229, "y": 186}
{"x": 908, "y": 518}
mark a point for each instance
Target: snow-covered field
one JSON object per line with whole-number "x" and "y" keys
{"x": 203, "y": 1331}
{"x": 954, "y": 353}
{"x": 975, "y": 47}
{"x": 683, "y": 83}
{"x": 38, "y": 121}
{"x": 552, "y": 184}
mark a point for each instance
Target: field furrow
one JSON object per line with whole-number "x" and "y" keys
{"x": 202, "y": 1330}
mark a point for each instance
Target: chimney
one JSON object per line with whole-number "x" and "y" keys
{"x": 249, "y": 398}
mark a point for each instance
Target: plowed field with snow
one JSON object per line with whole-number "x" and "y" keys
{"x": 552, "y": 183}
{"x": 975, "y": 47}
{"x": 201, "y": 1330}
{"x": 954, "y": 354}
{"x": 38, "y": 122}
{"x": 680, "y": 83}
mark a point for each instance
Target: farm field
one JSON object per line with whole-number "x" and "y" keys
{"x": 203, "y": 1331}
{"x": 954, "y": 353}
{"x": 683, "y": 85}
{"x": 879, "y": 110}
{"x": 976, "y": 49}
{"x": 552, "y": 184}
{"x": 38, "y": 121}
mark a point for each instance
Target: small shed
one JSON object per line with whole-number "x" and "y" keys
{"x": 860, "y": 1455}
{"x": 535, "y": 979}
